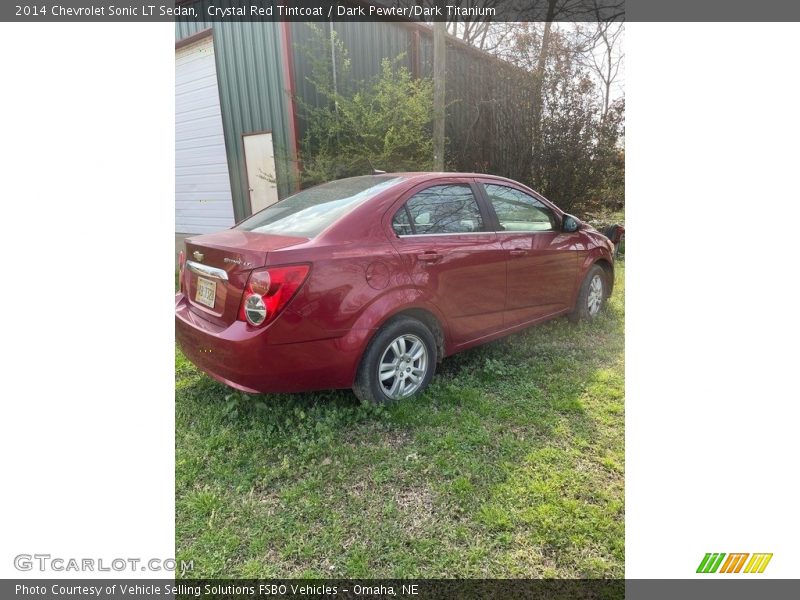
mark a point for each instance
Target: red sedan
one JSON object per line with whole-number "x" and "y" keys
{"x": 368, "y": 282}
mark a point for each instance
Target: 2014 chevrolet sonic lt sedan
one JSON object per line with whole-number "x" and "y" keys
{"x": 368, "y": 282}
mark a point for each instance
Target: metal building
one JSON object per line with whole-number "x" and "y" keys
{"x": 237, "y": 129}
{"x": 235, "y": 141}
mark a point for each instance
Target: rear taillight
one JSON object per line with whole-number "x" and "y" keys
{"x": 181, "y": 265}
{"x": 269, "y": 290}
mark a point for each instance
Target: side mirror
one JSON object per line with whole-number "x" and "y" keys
{"x": 570, "y": 224}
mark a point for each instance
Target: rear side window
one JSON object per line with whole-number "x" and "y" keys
{"x": 449, "y": 208}
{"x": 518, "y": 211}
{"x": 307, "y": 213}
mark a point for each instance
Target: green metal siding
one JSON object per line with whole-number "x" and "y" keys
{"x": 253, "y": 97}
{"x": 485, "y": 125}
{"x": 488, "y": 110}
{"x": 367, "y": 44}
{"x": 486, "y": 99}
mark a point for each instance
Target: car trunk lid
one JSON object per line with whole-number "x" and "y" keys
{"x": 218, "y": 265}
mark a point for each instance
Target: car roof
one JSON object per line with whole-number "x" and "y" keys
{"x": 435, "y": 174}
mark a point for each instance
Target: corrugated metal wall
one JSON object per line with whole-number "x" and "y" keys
{"x": 367, "y": 45}
{"x": 486, "y": 118}
{"x": 253, "y": 96}
{"x": 487, "y": 126}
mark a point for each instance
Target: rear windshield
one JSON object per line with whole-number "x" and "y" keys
{"x": 307, "y": 213}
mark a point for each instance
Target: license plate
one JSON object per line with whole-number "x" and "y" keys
{"x": 206, "y": 292}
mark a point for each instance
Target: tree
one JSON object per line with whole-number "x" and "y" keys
{"x": 604, "y": 55}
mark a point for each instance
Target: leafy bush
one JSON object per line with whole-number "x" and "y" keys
{"x": 360, "y": 126}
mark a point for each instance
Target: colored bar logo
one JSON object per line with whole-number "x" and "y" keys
{"x": 713, "y": 562}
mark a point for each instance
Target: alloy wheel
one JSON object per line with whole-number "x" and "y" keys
{"x": 595, "y": 299}
{"x": 403, "y": 366}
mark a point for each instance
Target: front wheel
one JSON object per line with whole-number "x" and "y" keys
{"x": 398, "y": 363}
{"x": 592, "y": 296}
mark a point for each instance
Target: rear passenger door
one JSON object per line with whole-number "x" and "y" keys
{"x": 450, "y": 252}
{"x": 542, "y": 260}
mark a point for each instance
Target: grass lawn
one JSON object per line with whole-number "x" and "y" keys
{"x": 510, "y": 465}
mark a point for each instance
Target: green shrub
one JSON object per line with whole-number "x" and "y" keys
{"x": 359, "y": 126}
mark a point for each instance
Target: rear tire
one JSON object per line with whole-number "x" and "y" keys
{"x": 592, "y": 296}
{"x": 399, "y": 362}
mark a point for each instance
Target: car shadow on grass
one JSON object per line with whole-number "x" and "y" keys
{"x": 530, "y": 377}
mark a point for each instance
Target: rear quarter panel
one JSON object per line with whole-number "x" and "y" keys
{"x": 351, "y": 291}
{"x": 346, "y": 281}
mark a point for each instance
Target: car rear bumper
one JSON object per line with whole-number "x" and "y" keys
{"x": 243, "y": 357}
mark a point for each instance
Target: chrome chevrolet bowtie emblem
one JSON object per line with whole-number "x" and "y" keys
{"x": 198, "y": 256}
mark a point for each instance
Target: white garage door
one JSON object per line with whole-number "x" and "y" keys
{"x": 203, "y": 201}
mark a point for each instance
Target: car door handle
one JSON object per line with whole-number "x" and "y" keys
{"x": 429, "y": 256}
{"x": 518, "y": 252}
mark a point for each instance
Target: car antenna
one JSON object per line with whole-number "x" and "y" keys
{"x": 374, "y": 170}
